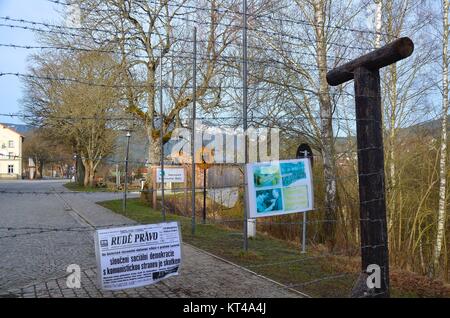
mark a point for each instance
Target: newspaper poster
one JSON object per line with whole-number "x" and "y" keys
{"x": 279, "y": 187}
{"x": 135, "y": 256}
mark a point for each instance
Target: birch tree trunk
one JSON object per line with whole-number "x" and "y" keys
{"x": 378, "y": 22}
{"x": 440, "y": 233}
{"x": 392, "y": 87}
{"x": 326, "y": 124}
{"x": 391, "y": 144}
{"x": 393, "y": 110}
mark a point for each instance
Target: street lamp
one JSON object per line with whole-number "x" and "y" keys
{"x": 124, "y": 208}
{"x": 76, "y": 168}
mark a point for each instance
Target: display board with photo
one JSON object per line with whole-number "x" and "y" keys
{"x": 279, "y": 187}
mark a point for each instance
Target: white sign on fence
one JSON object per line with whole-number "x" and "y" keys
{"x": 170, "y": 175}
{"x": 279, "y": 187}
{"x": 135, "y": 256}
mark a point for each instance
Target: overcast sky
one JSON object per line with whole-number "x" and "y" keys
{"x": 15, "y": 60}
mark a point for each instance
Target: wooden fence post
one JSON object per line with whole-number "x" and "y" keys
{"x": 374, "y": 238}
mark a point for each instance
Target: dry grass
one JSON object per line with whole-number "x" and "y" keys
{"x": 314, "y": 273}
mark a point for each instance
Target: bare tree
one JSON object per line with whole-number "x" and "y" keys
{"x": 299, "y": 55}
{"x": 44, "y": 150}
{"x": 442, "y": 209}
{"x": 72, "y": 96}
{"x": 149, "y": 36}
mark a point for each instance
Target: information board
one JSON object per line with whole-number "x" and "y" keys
{"x": 279, "y": 187}
{"x": 170, "y": 175}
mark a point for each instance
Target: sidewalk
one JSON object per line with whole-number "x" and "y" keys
{"x": 201, "y": 275}
{"x": 34, "y": 262}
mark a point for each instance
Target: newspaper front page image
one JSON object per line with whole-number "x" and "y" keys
{"x": 135, "y": 256}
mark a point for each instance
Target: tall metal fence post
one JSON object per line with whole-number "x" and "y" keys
{"x": 204, "y": 197}
{"x": 194, "y": 105}
{"x": 161, "y": 135}
{"x": 124, "y": 207}
{"x": 117, "y": 177}
{"x": 244, "y": 115}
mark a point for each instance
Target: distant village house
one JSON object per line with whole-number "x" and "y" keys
{"x": 10, "y": 153}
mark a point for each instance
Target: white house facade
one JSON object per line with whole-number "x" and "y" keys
{"x": 10, "y": 153}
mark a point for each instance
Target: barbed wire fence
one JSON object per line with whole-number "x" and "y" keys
{"x": 216, "y": 212}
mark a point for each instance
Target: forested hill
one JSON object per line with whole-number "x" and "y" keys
{"x": 20, "y": 128}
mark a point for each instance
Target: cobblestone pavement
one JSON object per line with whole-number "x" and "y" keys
{"x": 201, "y": 275}
{"x": 33, "y": 262}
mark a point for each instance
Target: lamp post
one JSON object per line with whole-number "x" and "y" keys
{"x": 128, "y": 135}
{"x": 76, "y": 168}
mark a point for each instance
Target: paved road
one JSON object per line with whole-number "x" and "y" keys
{"x": 33, "y": 261}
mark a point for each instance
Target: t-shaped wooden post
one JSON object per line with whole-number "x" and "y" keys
{"x": 374, "y": 241}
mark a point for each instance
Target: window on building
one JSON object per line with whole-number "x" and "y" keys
{"x": 11, "y": 155}
{"x": 11, "y": 144}
{"x": 10, "y": 168}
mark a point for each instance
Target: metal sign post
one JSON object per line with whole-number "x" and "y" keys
{"x": 304, "y": 151}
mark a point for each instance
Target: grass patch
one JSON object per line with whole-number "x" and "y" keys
{"x": 74, "y": 186}
{"x": 227, "y": 243}
{"x": 312, "y": 273}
